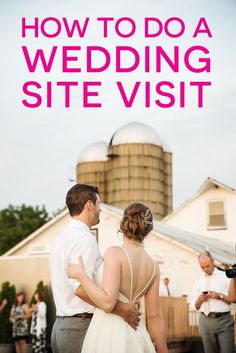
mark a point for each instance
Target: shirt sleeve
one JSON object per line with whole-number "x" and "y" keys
{"x": 90, "y": 253}
{"x": 195, "y": 294}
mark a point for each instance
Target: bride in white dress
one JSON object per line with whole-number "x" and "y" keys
{"x": 128, "y": 273}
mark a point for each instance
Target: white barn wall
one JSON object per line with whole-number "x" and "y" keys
{"x": 180, "y": 265}
{"x": 45, "y": 237}
{"x": 176, "y": 262}
{"x": 193, "y": 216}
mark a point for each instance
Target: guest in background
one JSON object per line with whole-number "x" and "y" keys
{"x": 165, "y": 290}
{"x": 19, "y": 316}
{"x": 210, "y": 296}
{"x": 38, "y": 323}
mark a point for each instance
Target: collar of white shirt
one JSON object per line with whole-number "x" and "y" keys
{"x": 79, "y": 223}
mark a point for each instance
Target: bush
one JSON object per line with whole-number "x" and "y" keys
{"x": 9, "y": 292}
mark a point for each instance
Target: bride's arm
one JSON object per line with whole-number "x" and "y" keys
{"x": 156, "y": 324}
{"x": 128, "y": 311}
{"x": 106, "y": 297}
{"x": 80, "y": 292}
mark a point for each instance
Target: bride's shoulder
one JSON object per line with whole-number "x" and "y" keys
{"x": 113, "y": 251}
{"x": 155, "y": 264}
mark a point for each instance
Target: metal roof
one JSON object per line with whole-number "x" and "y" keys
{"x": 96, "y": 152}
{"x": 221, "y": 252}
{"x": 136, "y": 132}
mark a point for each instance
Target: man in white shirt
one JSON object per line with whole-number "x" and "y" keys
{"x": 164, "y": 290}
{"x": 210, "y": 295}
{"x": 74, "y": 309}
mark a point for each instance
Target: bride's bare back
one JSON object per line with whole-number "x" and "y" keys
{"x": 130, "y": 271}
{"x": 138, "y": 271}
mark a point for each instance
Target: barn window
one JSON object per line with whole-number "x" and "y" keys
{"x": 39, "y": 249}
{"x": 216, "y": 215}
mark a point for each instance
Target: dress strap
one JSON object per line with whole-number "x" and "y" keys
{"x": 131, "y": 273}
{"x": 150, "y": 280}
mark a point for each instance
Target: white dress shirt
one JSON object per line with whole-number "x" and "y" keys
{"x": 163, "y": 290}
{"x": 218, "y": 283}
{"x": 75, "y": 240}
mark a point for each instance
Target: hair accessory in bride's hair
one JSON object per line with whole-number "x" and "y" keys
{"x": 146, "y": 216}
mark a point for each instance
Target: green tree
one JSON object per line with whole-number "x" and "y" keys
{"x": 17, "y": 222}
{"x": 9, "y": 292}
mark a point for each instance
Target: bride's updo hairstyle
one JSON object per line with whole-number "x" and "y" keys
{"x": 136, "y": 222}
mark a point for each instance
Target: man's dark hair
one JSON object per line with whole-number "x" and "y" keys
{"x": 78, "y": 196}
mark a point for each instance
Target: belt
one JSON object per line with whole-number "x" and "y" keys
{"x": 216, "y": 315}
{"x": 82, "y": 316}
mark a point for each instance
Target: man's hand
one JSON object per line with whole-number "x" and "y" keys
{"x": 203, "y": 297}
{"x": 213, "y": 295}
{"x": 132, "y": 315}
{"x": 129, "y": 312}
{"x": 75, "y": 270}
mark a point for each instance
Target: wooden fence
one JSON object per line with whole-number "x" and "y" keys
{"x": 180, "y": 321}
{"x": 175, "y": 311}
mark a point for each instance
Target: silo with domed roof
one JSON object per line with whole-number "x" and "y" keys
{"x": 168, "y": 198}
{"x": 135, "y": 166}
{"x": 92, "y": 167}
{"x": 140, "y": 169}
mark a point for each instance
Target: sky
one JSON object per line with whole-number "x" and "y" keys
{"x": 39, "y": 147}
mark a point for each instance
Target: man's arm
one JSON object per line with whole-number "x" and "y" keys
{"x": 128, "y": 311}
{"x": 201, "y": 299}
{"x": 219, "y": 296}
{"x": 91, "y": 257}
{"x": 232, "y": 290}
{"x": 197, "y": 297}
{"x": 80, "y": 292}
{"x": 104, "y": 298}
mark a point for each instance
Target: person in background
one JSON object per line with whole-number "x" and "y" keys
{"x": 165, "y": 290}
{"x": 19, "y": 316}
{"x": 38, "y": 323}
{"x": 210, "y": 296}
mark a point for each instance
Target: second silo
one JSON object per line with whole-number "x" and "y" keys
{"x": 92, "y": 167}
